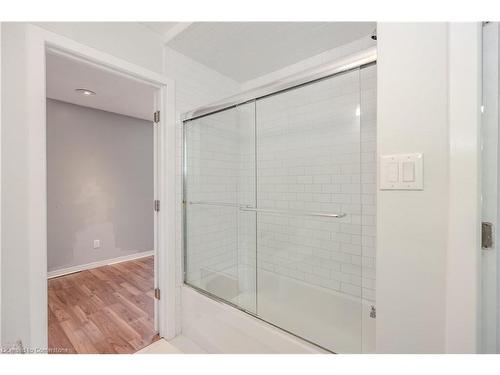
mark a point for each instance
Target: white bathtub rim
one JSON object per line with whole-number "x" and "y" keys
{"x": 300, "y": 345}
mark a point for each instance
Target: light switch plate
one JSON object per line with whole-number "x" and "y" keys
{"x": 401, "y": 172}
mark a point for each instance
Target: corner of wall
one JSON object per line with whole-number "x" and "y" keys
{"x": 463, "y": 257}
{"x": 412, "y": 226}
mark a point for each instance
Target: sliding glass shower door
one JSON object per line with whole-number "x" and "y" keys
{"x": 308, "y": 169}
{"x": 279, "y": 209}
{"x": 220, "y": 243}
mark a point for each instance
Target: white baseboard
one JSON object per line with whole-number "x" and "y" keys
{"x": 100, "y": 263}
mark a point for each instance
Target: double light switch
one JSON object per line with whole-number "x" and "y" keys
{"x": 401, "y": 172}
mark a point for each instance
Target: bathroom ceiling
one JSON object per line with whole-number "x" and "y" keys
{"x": 114, "y": 92}
{"x": 161, "y": 28}
{"x": 247, "y": 50}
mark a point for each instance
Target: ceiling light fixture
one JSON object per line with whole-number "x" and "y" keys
{"x": 85, "y": 92}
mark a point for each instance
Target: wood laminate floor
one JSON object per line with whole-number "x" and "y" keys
{"x": 108, "y": 309}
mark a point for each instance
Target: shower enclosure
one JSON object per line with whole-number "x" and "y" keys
{"x": 279, "y": 205}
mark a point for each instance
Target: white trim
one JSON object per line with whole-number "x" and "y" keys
{"x": 38, "y": 41}
{"x": 167, "y": 214}
{"x": 93, "y": 64}
{"x": 56, "y": 42}
{"x": 36, "y": 190}
{"x": 0, "y": 184}
{"x": 462, "y": 316}
{"x": 489, "y": 185}
{"x": 156, "y": 185}
{"x": 99, "y": 263}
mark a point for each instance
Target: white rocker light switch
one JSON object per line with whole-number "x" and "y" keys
{"x": 401, "y": 172}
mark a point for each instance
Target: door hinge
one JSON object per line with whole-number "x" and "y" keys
{"x": 157, "y": 293}
{"x": 373, "y": 312}
{"x": 486, "y": 235}
{"x": 157, "y": 205}
{"x": 156, "y": 117}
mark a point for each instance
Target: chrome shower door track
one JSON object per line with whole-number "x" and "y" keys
{"x": 305, "y": 77}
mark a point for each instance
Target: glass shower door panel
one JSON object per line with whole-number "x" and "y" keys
{"x": 309, "y": 272}
{"x": 219, "y": 180}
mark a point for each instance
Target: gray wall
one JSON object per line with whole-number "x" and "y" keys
{"x": 99, "y": 185}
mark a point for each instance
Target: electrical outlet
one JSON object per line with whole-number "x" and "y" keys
{"x": 97, "y": 244}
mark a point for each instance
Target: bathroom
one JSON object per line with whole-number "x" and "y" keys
{"x": 317, "y": 186}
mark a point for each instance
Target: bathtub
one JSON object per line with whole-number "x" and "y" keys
{"x": 325, "y": 318}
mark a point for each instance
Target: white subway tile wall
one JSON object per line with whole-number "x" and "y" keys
{"x": 316, "y": 152}
{"x": 220, "y": 179}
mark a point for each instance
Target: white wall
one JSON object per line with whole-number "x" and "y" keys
{"x": 412, "y": 225}
{"x": 15, "y": 249}
{"x": 426, "y": 261}
{"x": 99, "y": 185}
{"x": 17, "y": 315}
{"x": 195, "y": 84}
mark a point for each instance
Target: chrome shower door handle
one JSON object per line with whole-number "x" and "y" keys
{"x": 294, "y": 212}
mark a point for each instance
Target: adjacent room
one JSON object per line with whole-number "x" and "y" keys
{"x": 100, "y": 217}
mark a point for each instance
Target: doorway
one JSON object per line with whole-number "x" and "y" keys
{"x": 102, "y": 235}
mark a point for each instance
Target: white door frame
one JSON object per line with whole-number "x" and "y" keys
{"x": 38, "y": 40}
{"x": 0, "y": 184}
{"x": 489, "y": 181}
{"x": 462, "y": 316}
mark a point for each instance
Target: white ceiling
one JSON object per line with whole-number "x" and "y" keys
{"x": 247, "y": 50}
{"x": 239, "y": 50}
{"x": 161, "y": 28}
{"x": 114, "y": 92}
